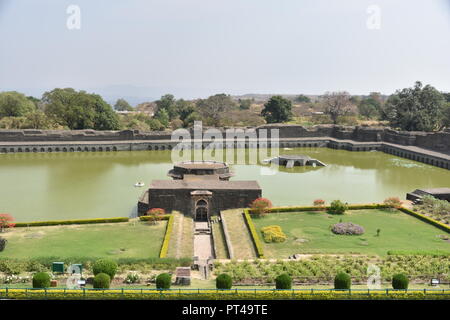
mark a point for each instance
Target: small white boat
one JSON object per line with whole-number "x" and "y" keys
{"x": 288, "y": 149}
{"x": 139, "y": 184}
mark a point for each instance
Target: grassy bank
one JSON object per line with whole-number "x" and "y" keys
{"x": 116, "y": 240}
{"x": 309, "y": 232}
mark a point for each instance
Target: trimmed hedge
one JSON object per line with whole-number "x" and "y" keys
{"x": 163, "y": 281}
{"x": 424, "y": 218}
{"x": 65, "y": 222}
{"x": 41, "y": 280}
{"x": 224, "y": 281}
{"x": 161, "y": 217}
{"x": 165, "y": 244}
{"x": 342, "y": 281}
{"x": 325, "y": 208}
{"x": 283, "y": 281}
{"x": 254, "y": 234}
{"x": 400, "y": 281}
{"x": 195, "y": 294}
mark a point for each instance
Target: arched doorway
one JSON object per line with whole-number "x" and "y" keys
{"x": 201, "y": 210}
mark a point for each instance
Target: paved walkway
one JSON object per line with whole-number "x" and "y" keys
{"x": 202, "y": 246}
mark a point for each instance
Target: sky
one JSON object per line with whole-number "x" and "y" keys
{"x": 195, "y": 48}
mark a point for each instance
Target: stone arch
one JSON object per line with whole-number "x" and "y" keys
{"x": 163, "y": 148}
{"x": 27, "y": 149}
{"x": 93, "y": 149}
{"x": 79, "y": 149}
{"x": 42, "y": 150}
{"x": 11, "y": 149}
{"x": 100, "y": 149}
{"x": 149, "y": 148}
{"x": 201, "y": 210}
{"x": 49, "y": 150}
{"x": 156, "y": 148}
{"x": 4, "y": 150}
{"x": 34, "y": 149}
{"x": 86, "y": 149}
{"x": 114, "y": 148}
{"x": 57, "y": 149}
{"x": 108, "y": 149}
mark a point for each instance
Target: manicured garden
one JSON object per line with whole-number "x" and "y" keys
{"x": 384, "y": 230}
{"x": 132, "y": 239}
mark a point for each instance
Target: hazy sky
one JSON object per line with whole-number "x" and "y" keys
{"x": 199, "y": 47}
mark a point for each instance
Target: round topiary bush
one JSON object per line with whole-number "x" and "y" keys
{"x": 400, "y": 281}
{"x": 224, "y": 281}
{"x": 41, "y": 280}
{"x": 347, "y": 228}
{"x": 102, "y": 281}
{"x": 338, "y": 207}
{"x": 163, "y": 281}
{"x": 283, "y": 281}
{"x": 342, "y": 281}
{"x": 105, "y": 266}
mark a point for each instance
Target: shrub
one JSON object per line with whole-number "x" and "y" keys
{"x": 6, "y": 221}
{"x": 224, "y": 281}
{"x": 163, "y": 281}
{"x": 3, "y": 242}
{"x": 400, "y": 281}
{"x": 342, "y": 281}
{"x": 319, "y": 203}
{"x": 261, "y": 206}
{"x": 273, "y": 234}
{"x": 283, "y": 281}
{"x": 132, "y": 278}
{"x": 393, "y": 202}
{"x": 338, "y": 207}
{"x": 156, "y": 212}
{"x": 347, "y": 228}
{"x": 41, "y": 280}
{"x": 105, "y": 266}
{"x": 102, "y": 281}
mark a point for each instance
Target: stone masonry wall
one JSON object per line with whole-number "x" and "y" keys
{"x": 436, "y": 141}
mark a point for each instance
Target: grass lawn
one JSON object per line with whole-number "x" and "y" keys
{"x": 309, "y": 232}
{"x": 114, "y": 240}
{"x": 219, "y": 240}
{"x": 241, "y": 241}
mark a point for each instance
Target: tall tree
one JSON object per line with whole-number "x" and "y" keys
{"x": 277, "y": 110}
{"x": 79, "y": 110}
{"x": 245, "y": 104}
{"x": 214, "y": 108}
{"x": 370, "y": 107}
{"x": 416, "y": 109}
{"x": 337, "y": 104}
{"x": 122, "y": 105}
{"x": 14, "y": 104}
{"x": 168, "y": 103}
{"x": 302, "y": 99}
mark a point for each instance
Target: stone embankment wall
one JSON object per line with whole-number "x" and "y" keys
{"x": 428, "y": 147}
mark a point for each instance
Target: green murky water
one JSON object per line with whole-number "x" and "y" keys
{"x": 53, "y": 186}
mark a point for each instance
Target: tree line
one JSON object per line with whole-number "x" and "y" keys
{"x": 419, "y": 108}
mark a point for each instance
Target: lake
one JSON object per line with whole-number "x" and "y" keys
{"x": 57, "y": 186}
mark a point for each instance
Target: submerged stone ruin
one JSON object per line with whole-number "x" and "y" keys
{"x": 290, "y": 161}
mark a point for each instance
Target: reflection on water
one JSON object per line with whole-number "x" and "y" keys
{"x": 45, "y": 186}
